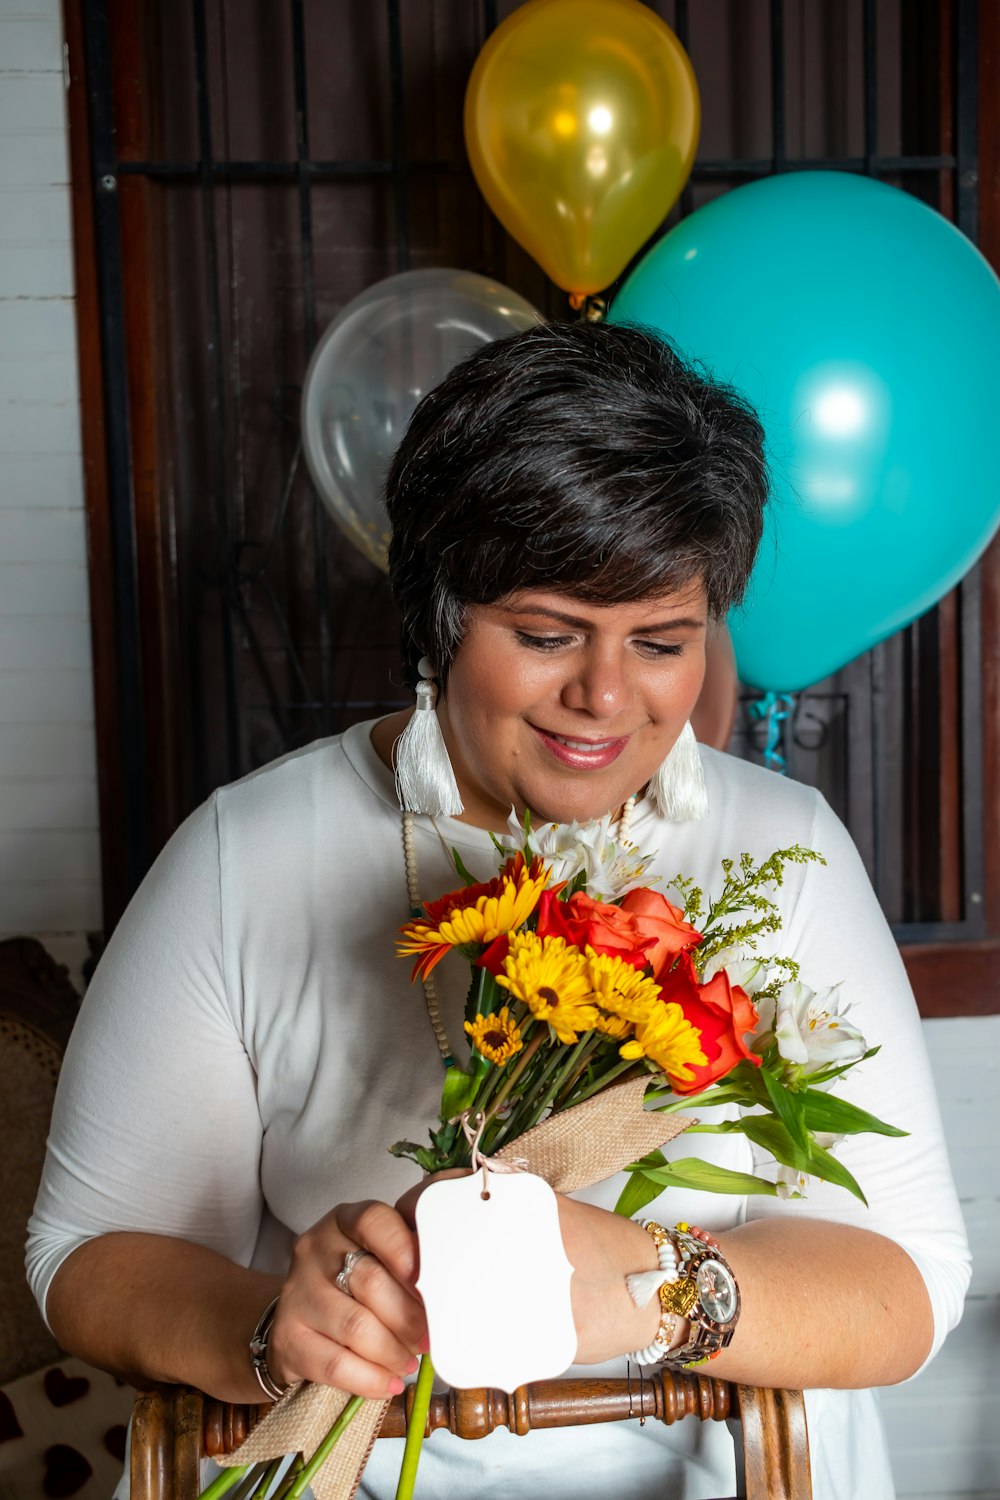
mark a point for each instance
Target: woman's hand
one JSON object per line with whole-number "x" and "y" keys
{"x": 367, "y": 1341}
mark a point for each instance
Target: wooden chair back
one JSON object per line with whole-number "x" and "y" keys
{"x": 174, "y": 1427}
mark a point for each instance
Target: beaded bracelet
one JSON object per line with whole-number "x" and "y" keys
{"x": 642, "y": 1285}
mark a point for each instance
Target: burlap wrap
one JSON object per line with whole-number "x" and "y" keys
{"x": 575, "y": 1149}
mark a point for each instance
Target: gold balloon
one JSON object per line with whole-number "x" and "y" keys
{"x": 581, "y": 123}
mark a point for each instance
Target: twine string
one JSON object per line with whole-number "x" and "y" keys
{"x": 473, "y": 1123}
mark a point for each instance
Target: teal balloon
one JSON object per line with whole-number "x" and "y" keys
{"x": 865, "y": 330}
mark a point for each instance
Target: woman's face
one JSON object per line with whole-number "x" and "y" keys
{"x": 567, "y": 708}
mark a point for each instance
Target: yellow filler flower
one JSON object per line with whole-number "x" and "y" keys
{"x": 496, "y": 1036}
{"x": 550, "y": 976}
{"x": 476, "y": 915}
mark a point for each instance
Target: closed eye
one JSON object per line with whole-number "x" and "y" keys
{"x": 660, "y": 648}
{"x": 543, "y": 642}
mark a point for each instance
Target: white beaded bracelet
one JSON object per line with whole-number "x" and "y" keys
{"x": 643, "y": 1285}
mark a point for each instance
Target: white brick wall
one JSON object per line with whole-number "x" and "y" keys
{"x": 49, "y": 858}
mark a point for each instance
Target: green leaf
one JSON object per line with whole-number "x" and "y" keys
{"x": 424, "y": 1157}
{"x": 828, "y": 1113}
{"x": 788, "y": 1108}
{"x": 691, "y": 1172}
{"x": 463, "y": 873}
{"x": 637, "y": 1192}
{"x": 825, "y": 1165}
{"x": 826, "y": 1075}
{"x": 770, "y": 1133}
{"x": 460, "y": 1088}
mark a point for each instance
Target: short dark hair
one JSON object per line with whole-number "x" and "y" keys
{"x": 585, "y": 458}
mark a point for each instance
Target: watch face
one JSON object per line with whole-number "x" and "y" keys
{"x": 717, "y": 1291}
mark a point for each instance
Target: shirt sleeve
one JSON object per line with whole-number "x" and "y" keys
{"x": 837, "y": 932}
{"x": 156, "y": 1126}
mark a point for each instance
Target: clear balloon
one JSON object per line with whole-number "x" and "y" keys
{"x": 864, "y": 328}
{"x": 382, "y": 353}
{"x": 581, "y": 123}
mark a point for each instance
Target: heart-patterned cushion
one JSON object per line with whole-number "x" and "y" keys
{"x": 63, "y": 1433}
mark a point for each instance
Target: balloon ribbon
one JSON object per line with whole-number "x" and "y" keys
{"x": 774, "y": 709}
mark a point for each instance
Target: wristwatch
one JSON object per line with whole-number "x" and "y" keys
{"x": 705, "y": 1292}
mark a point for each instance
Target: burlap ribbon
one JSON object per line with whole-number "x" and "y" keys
{"x": 572, "y": 1150}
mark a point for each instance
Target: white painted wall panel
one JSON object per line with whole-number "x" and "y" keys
{"x": 943, "y": 1427}
{"x": 30, "y": 44}
{"x": 45, "y": 698}
{"x": 49, "y": 860}
{"x": 42, "y": 536}
{"x": 41, "y": 479}
{"x": 26, "y": 908}
{"x": 39, "y": 377}
{"x": 36, "y": 857}
{"x": 70, "y": 753}
{"x": 43, "y": 589}
{"x": 40, "y": 159}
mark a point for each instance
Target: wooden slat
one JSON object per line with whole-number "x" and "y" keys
{"x": 775, "y": 1444}
{"x": 955, "y": 979}
{"x": 99, "y": 558}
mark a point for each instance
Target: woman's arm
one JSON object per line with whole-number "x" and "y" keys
{"x": 149, "y": 1307}
{"x": 824, "y": 1304}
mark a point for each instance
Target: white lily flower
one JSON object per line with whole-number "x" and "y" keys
{"x": 744, "y": 969}
{"x": 569, "y": 849}
{"x": 810, "y": 1029}
{"x": 793, "y": 1184}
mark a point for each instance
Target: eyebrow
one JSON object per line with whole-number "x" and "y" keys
{"x": 680, "y": 622}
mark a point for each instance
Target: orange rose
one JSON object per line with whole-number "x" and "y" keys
{"x": 655, "y": 918}
{"x": 722, "y": 1012}
{"x": 588, "y": 923}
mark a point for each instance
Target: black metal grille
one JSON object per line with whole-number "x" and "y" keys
{"x": 849, "y": 735}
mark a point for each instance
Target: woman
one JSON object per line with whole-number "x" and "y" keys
{"x": 570, "y": 509}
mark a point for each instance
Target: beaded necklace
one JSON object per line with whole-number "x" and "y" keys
{"x": 417, "y": 911}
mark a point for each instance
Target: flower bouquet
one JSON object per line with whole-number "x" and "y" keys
{"x": 593, "y": 993}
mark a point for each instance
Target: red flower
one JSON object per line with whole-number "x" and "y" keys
{"x": 655, "y": 918}
{"x": 585, "y": 922}
{"x": 722, "y": 1012}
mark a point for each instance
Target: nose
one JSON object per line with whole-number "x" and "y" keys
{"x": 598, "y": 685}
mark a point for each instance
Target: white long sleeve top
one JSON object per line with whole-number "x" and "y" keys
{"x": 250, "y": 1046}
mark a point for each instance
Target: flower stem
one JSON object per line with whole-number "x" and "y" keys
{"x": 600, "y": 1083}
{"x": 326, "y": 1447}
{"x": 294, "y": 1470}
{"x": 224, "y": 1481}
{"x": 525, "y": 1059}
{"x": 415, "y": 1429}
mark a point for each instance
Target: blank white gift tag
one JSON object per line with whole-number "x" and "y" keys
{"x": 495, "y": 1280}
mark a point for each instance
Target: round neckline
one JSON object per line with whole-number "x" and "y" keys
{"x": 361, "y": 753}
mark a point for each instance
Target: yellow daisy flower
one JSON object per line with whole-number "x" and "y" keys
{"x": 550, "y": 976}
{"x": 620, "y": 989}
{"x": 496, "y": 1036}
{"x": 475, "y": 915}
{"x": 668, "y": 1039}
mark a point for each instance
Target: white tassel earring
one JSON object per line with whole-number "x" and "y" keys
{"x": 425, "y": 780}
{"x": 678, "y": 786}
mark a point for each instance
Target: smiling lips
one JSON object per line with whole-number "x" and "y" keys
{"x": 582, "y": 755}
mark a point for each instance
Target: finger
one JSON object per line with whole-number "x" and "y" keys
{"x": 382, "y": 1230}
{"x": 339, "y": 1322}
{"x": 393, "y": 1304}
{"x": 325, "y": 1362}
